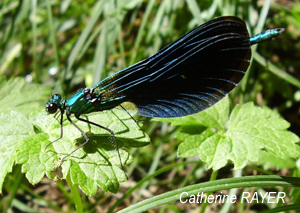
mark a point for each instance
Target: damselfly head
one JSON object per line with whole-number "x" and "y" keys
{"x": 53, "y": 104}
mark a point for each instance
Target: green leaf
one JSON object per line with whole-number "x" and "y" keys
{"x": 217, "y": 138}
{"x": 260, "y": 128}
{"x": 20, "y": 144}
{"x": 18, "y": 95}
{"x": 23, "y": 141}
{"x": 96, "y": 164}
{"x": 268, "y": 161}
{"x": 36, "y": 163}
{"x": 14, "y": 127}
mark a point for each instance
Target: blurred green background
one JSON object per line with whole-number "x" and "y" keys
{"x": 67, "y": 45}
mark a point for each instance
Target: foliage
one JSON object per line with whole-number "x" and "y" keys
{"x": 240, "y": 137}
{"x": 23, "y": 141}
{"x": 66, "y": 45}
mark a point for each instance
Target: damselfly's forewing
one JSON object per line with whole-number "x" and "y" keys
{"x": 187, "y": 76}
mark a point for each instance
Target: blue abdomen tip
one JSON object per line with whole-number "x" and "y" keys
{"x": 266, "y": 36}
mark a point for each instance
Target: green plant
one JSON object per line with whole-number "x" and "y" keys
{"x": 87, "y": 41}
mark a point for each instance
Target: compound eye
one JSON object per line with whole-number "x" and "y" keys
{"x": 52, "y": 108}
{"x": 56, "y": 97}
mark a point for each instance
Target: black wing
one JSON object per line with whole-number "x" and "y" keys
{"x": 187, "y": 76}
